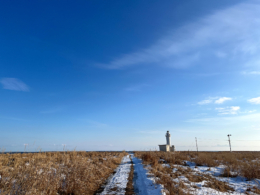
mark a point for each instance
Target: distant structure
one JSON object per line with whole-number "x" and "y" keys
{"x": 167, "y": 147}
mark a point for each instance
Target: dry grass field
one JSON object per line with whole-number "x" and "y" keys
{"x": 172, "y": 170}
{"x": 52, "y": 173}
{"x": 73, "y": 173}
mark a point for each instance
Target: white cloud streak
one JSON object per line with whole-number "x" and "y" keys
{"x": 228, "y": 110}
{"x": 53, "y": 110}
{"x": 233, "y": 120}
{"x": 136, "y": 88}
{"x": 95, "y": 124}
{"x": 203, "y": 102}
{"x": 14, "y": 84}
{"x": 216, "y": 100}
{"x": 254, "y": 100}
{"x": 251, "y": 72}
{"x": 222, "y": 100}
{"x": 231, "y": 33}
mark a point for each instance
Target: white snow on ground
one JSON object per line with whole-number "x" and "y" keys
{"x": 144, "y": 183}
{"x": 239, "y": 184}
{"x": 118, "y": 182}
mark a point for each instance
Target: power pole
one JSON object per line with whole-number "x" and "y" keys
{"x": 229, "y": 141}
{"x": 197, "y": 145}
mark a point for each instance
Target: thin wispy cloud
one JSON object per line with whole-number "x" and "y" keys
{"x": 14, "y": 84}
{"x": 229, "y": 33}
{"x": 254, "y": 100}
{"x": 94, "y": 124}
{"x": 251, "y": 72}
{"x": 248, "y": 111}
{"x": 136, "y": 88}
{"x": 247, "y": 120}
{"x": 222, "y": 100}
{"x": 13, "y": 118}
{"x": 228, "y": 110}
{"x": 215, "y": 100}
{"x": 53, "y": 110}
{"x": 207, "y": 101}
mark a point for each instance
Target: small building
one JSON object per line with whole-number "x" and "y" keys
{"x": 167, "y": 147}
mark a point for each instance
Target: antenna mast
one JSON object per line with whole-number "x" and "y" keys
{"x": 196, "y": 144}
{"x": 229, "y": 141}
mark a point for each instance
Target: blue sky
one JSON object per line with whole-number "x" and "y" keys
{"x": 114, "y": 75}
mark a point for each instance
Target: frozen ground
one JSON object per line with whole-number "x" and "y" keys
{"x": 239, "y": 184}
{"x": 143, "y": 182}
{"x": 117, "y": 184}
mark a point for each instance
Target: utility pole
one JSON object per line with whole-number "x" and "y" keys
{"x": 197, "y": 145}
{"x": 229, "y": 141}
{"x": 25, "y": 147}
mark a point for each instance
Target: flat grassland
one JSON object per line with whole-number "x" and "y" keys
{"x": 205, "y": 172}
{"x": 56, "y": 172}
{"x": 79, "y": 173}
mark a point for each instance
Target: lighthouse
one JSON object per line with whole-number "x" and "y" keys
{"x": 168, "y": 138}
{"x": 167, "y": 147}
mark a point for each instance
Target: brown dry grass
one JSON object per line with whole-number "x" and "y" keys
{"x": 244, "y": 164}
{"x": 56, "y": 172}
{"x": 164, "y": 175}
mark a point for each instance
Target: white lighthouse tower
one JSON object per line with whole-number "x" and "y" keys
{"x": 168, "y": 138}
{"x": 167, "y": 147}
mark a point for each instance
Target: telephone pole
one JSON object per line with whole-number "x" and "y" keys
{"x": 229, "y": 141}
{"x": 197, "y": 145}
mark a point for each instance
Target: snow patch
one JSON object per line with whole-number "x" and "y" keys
{"x": 144, "y": 183}
{"x": 118, "y": 182}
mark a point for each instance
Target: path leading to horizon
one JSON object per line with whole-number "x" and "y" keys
{"x": 143, "y": 182}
